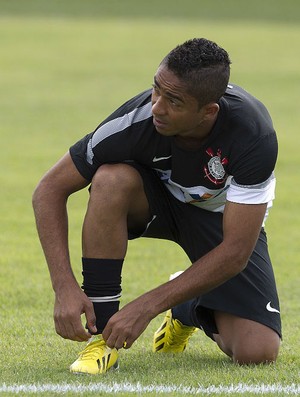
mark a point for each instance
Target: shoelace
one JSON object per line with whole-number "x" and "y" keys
{"x": 91, "y": 352}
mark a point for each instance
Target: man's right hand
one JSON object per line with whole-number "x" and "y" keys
{"x": 70, "y": 303}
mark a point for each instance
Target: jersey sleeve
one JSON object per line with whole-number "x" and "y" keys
{"x": 252, "y": 194}
{"x": 253, "y": 179}
{"x": 115, "y": 139}
{"x": 78, "y": 155}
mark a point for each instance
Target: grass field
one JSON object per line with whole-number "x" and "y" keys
{"x": 64, "y": 66}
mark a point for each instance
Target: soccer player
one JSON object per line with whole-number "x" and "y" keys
{"x": 190, "y": 160}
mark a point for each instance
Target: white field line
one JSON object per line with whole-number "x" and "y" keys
{"x": 137, "y": 388}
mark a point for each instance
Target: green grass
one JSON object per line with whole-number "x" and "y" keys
{"x": 64, "y": 66}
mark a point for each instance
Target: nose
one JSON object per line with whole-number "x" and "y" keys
{"x": 158, "y": 106}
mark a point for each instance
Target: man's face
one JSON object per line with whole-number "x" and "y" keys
{"x": 175, "y": 112}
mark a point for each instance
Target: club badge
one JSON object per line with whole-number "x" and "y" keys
{"x": 214, "y": 170}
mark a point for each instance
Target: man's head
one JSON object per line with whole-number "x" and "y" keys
{"x": 202, "y": 66}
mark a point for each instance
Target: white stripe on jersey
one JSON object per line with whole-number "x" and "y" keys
{"x": 215, "y": 199}
{"x": 252, "y": 194}
{"x": 116, "y": 125}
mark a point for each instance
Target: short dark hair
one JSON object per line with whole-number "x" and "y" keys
{"x": 203, "y": 66}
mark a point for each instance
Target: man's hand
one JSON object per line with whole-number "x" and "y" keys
{"x": 127, "y": 325}
{"x": 50, "y": 207}
{"x": 70, "y": 303}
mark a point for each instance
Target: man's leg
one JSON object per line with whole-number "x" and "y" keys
{"x": 246, "y": 341}
{"x": 117, "y": 204}
{"x": 236, "y": 314}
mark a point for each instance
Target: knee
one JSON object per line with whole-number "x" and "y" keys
{"x": 115, "y": 178}
{"x": 246, "y": 341}
{"x": 251, "y": 353}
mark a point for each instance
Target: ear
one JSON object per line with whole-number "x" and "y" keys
{"x": 211, "y": 110}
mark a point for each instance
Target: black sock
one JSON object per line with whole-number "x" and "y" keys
{"x": 102, "y": 284}
{"x": 185, "y": 313}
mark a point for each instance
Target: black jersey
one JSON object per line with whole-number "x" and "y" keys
{"x": 235, "y": 162}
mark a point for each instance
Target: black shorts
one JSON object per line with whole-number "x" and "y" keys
{"x": 251, "y": 294}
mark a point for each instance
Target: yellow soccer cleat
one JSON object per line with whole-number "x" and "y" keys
{"x": 96, "y": 358}
{"x": 172, "y": 336}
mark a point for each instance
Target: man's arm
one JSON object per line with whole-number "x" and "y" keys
{"x": 50, "y": 208}
{"x": 241, "y": 227}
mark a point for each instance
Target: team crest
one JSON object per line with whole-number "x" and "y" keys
{"x": 214, "y": 170}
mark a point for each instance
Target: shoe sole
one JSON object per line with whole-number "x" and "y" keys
{"x": 114, "y": 367}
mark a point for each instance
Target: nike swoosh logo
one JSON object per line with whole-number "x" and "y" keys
{"x": 271, "y": 309}
{"x": 155, "y": 159}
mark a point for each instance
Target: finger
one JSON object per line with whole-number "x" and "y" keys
{"x": 60, "y": 326}
{"x": 70, "y": 329}
{"x": 123, "y": 343}
{"x": 128, "y": 342}
{"x": 126, "y": 345}
{"x": 106, "y": 333}
{"x": 79, "y": 334}
{"x": 119, "y": 343}
{"x": 76, "y": 330}
{"x": 90, "y": 319}
{"x": 117, "y": 340}
{"x": 109, "y": 337}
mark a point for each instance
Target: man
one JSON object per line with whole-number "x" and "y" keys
{"x": 191, "y": 161}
